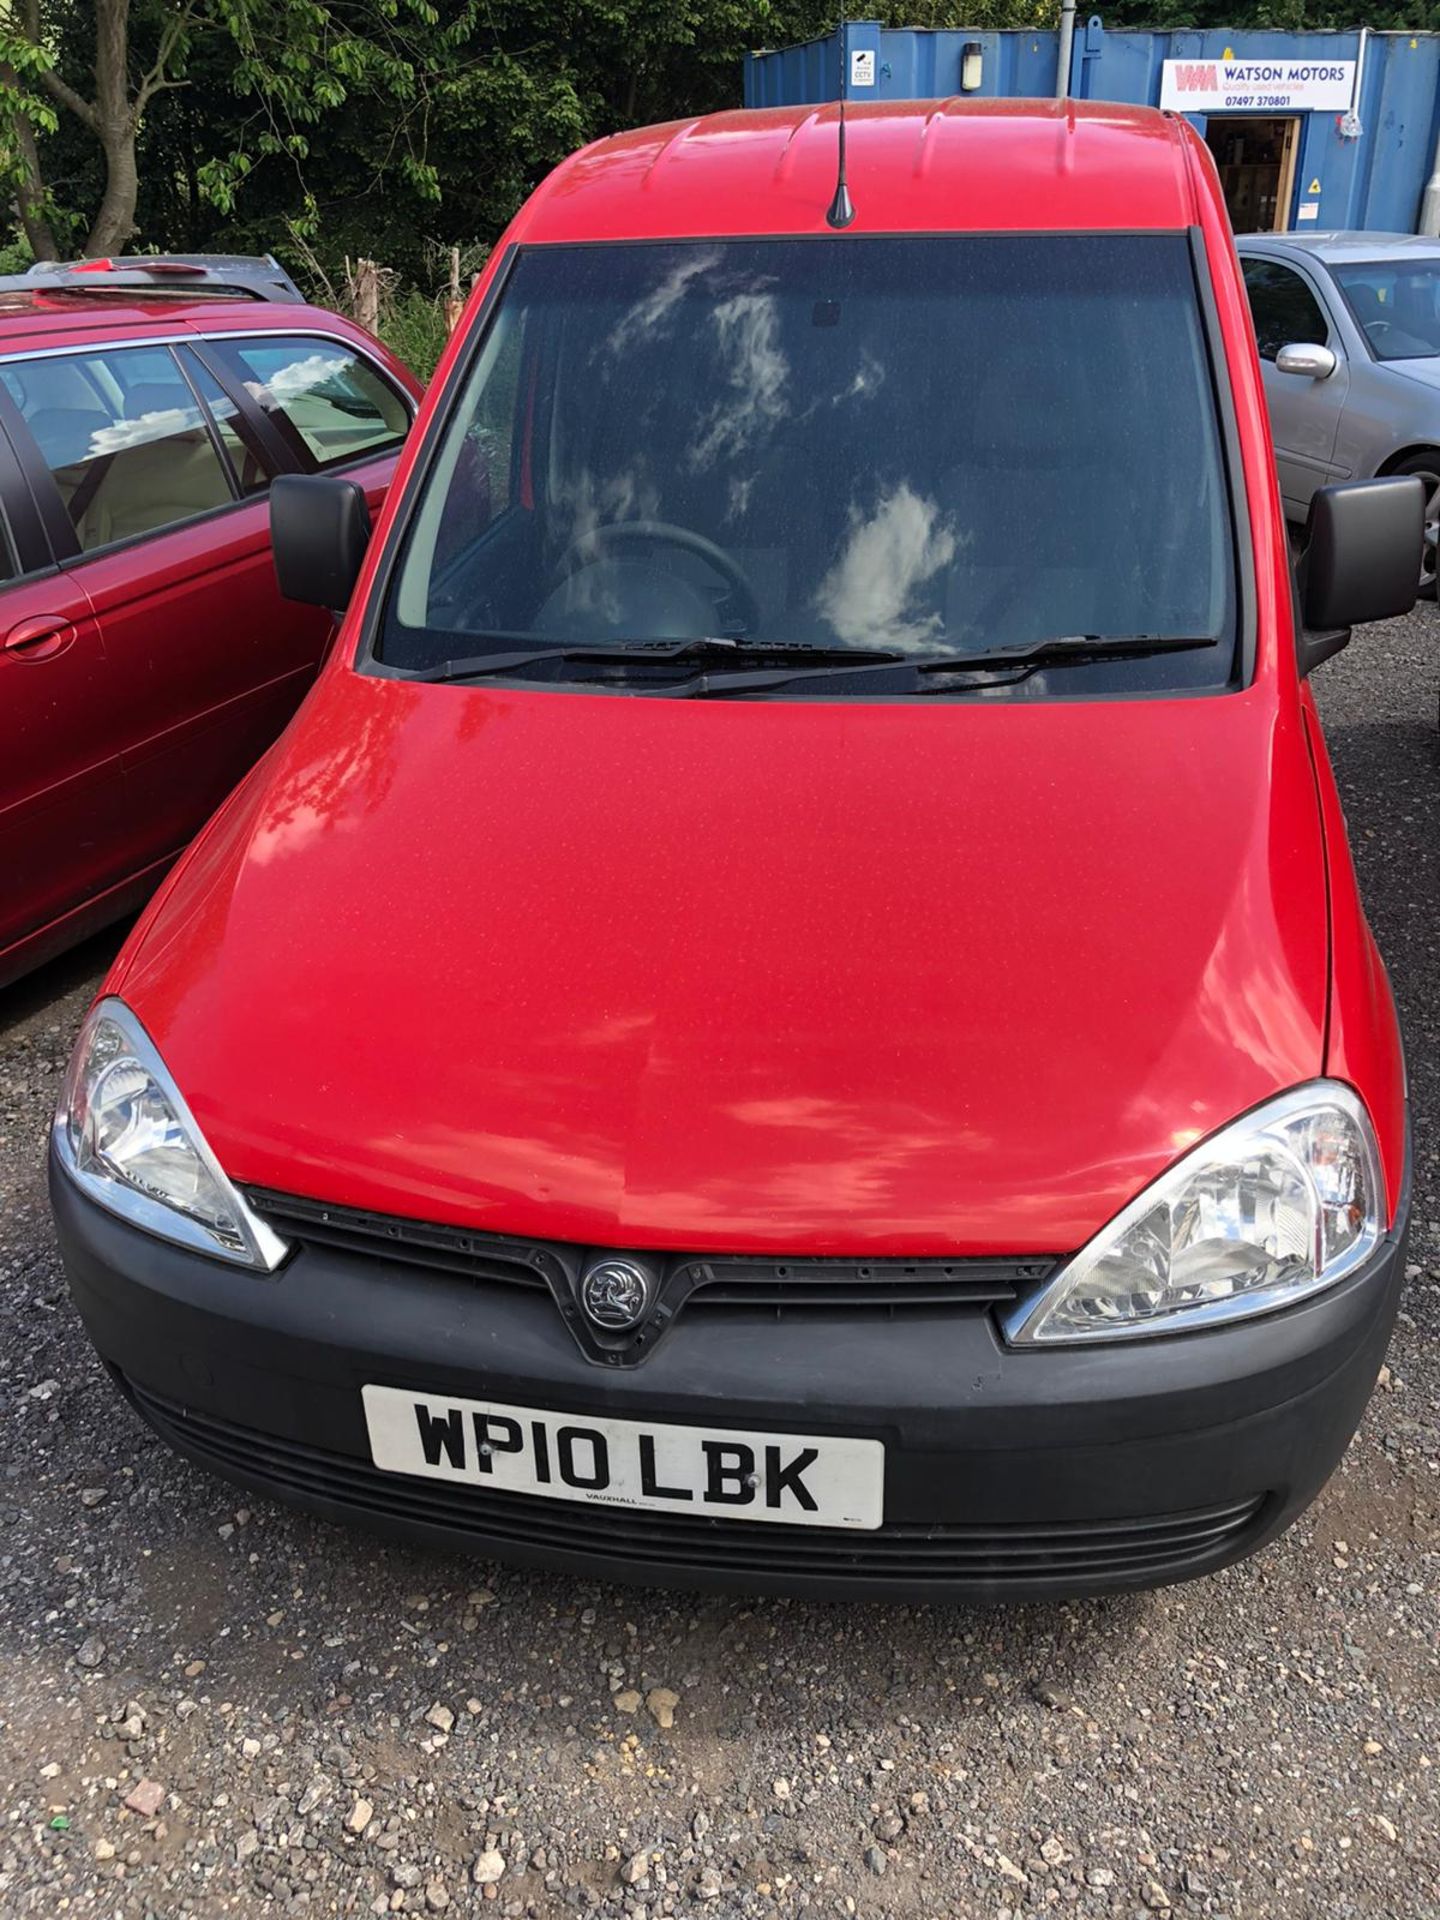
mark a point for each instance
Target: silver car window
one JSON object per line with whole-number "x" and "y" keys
{"x": 1284, "y": 309}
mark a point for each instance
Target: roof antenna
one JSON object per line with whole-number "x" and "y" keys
{"x": 842, "y": 207}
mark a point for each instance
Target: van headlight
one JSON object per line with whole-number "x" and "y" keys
{"x": 1270, "y": 1209}
{"x": 125, "y": 1136}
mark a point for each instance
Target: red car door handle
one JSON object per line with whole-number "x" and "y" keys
{"x": 39, "y": 638}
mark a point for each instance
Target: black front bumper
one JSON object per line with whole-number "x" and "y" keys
{"x": 1008, "y": 1474}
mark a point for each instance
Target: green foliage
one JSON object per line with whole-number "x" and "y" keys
{"x": 1294, "y": 16}
{"x": 413, "y": 325}
{"x": 22, "y": 104}
{"x": 378, "y": 127}
{"x": 294, "y": 64}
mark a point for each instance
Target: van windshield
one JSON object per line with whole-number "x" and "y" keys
{"x": 914, "y": 445}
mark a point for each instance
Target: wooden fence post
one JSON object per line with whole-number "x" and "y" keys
{"x": 367, "y": 295}
{"x": 454, "y": 302}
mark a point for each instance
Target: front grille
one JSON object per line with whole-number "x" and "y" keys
{"x": 884, "y": 1286}
{"x": 995, "y": 1555}
{"x": 753, "y": 1281}
{"x": 478, "y": 1256}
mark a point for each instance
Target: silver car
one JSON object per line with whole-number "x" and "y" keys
{"x": 1348, "y": 326}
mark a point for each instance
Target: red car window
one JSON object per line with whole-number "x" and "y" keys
{"x": 249, "y": 461}
{"x": 332, "y": 405}
{"x": 124, "y": 438}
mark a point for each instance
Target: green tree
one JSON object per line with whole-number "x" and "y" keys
{"x": 361, "y": 126}
{"x": 103, "y": 63}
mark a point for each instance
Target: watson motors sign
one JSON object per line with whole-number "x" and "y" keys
{"x": 1257, "y": 86}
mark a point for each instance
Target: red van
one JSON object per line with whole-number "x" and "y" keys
{"x": 147, "y": 659}
{"x": 793, "y": 1012}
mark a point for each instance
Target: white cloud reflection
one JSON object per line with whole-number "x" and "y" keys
{"x": 591, "y": 504}
{"x": 887, "y": 558}
{"x": 162, "y": 424}
{"x": 747, "y": 328}
{"x": 659, "y": 304}
{"x": 297, "y": 378}
{"x": 868, "y": 379}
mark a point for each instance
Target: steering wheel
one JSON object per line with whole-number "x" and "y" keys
{"x": 591, "y": 546}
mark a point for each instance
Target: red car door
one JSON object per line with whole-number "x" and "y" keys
{"x": 164, "y": 505}
{"x": 213, "y": 661}
{"x": 64, "y": 837}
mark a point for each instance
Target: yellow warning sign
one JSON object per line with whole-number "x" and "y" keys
{"x": 1314, "y": 186}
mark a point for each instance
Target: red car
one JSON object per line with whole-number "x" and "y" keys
{"x": 793, "y": 1011}
{"x": 146, "y": 657}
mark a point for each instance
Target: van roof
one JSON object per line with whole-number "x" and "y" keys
{"x": 914, "y": 165}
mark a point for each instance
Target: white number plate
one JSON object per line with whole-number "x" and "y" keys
{"x": 800, "y": 1480}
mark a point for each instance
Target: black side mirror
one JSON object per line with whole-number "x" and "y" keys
{"x": 1362, "y": 556}
{"x": 319, "y": 530}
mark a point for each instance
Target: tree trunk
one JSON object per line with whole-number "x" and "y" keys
{"x": 115, "y": 222}
{"x": 192, "y": 184}
{"x": 30, "y": 195}
{"x": 115, "y": 125}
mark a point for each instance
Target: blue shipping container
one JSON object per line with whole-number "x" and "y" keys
{"x": 1365, "y": 166}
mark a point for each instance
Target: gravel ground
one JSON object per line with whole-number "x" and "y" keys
{"x": 212, "y": 1708}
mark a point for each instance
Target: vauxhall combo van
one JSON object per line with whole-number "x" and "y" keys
{"x": 792, "y": 1011}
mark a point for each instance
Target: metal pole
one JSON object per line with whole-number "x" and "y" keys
{"x": 1350, "y": 127}
{"x": 1067, "y": 42}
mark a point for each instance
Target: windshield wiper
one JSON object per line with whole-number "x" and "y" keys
{"x": 731, "y": 666}
{"x": 706, "y": 647}
{"x": 1059, "y": 650}
{"x": 1073, "y": 646}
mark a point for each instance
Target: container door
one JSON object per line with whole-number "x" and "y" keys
{"x": 1255, "y": 158}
